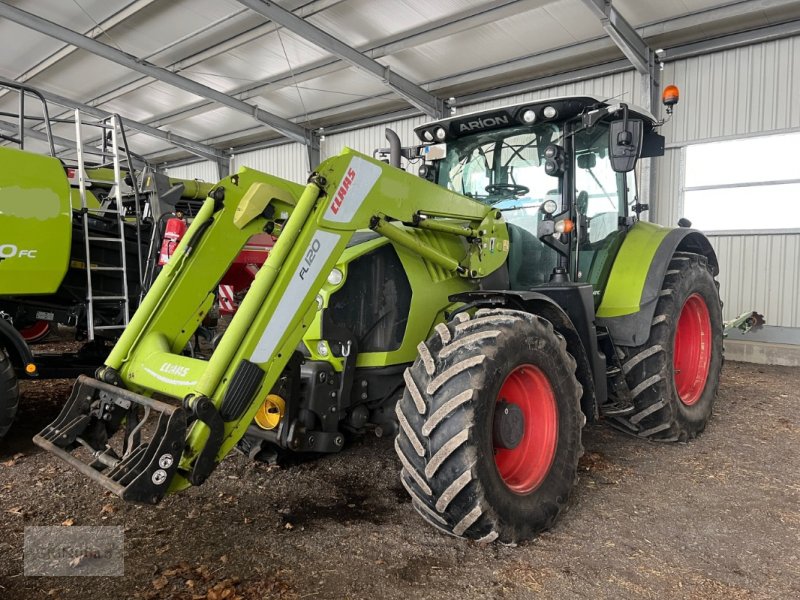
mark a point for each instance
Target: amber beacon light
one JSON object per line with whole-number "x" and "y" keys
{"x": 670, "y": 96}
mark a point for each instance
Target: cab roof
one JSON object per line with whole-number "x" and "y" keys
{"x": 565, "y": 107}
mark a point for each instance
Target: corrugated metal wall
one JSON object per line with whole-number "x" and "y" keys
{"x": 760, "y": 272}
{"x": 205, "y": 171}
{"x": 745, "y": 91}
{"x": 289, "y": 161}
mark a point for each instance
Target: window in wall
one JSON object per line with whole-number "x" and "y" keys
{"x": 745, "y": 184}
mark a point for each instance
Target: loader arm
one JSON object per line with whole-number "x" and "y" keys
{"x": 220, "y": 396}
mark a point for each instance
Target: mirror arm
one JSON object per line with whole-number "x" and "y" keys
{"x": 625, "y": 137}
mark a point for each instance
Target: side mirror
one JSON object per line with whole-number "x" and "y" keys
{"x": 625, "y": 143}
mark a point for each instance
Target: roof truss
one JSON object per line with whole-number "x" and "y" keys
{"x": 413, "y": 93}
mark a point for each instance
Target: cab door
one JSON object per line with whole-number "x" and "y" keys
{"x": 601, "y": 207}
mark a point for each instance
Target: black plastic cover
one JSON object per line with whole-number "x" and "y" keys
{"x": 374, "y": 302}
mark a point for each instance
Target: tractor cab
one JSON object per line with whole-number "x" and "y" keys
{"x": 560, "y": 171}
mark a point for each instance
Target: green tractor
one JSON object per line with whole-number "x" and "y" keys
{"x": 482, "y": 313}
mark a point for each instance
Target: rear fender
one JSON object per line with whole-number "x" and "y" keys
{"x": 629, "y": 300}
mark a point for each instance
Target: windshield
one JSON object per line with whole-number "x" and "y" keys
{"x": 503, "y": 168}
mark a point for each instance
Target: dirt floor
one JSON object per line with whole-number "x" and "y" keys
{"x": 717, "y": 518}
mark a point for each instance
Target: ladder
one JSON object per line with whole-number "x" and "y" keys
{"x": 115, "y": 238}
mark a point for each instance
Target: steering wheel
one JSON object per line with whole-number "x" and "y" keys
{"x": 510, "y": 188}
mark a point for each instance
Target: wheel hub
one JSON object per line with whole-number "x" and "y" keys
{"x": 525, "y": 429}
{"x": 509, "y": 425}
{"x": 692, "y": 352}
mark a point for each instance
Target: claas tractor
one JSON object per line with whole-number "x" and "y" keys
{"x": 481, "y": 313}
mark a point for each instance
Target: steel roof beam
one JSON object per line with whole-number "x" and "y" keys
{"x": 96, "y": 31}
{"x": 682, "y": 51}
{"x": 644, "y": 61}
{"x": 216, "y": 49}
{"x": 430, "y": 31}
{"x": 625, "y": 37}
{"x": 443, "y": 27}
{"x": 414, "y": 94}
{"x": 192, "y": 146}
{"x": 284, "y": 126}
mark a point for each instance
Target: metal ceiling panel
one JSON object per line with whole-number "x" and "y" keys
{"x": 79, "y": 15}
{"x": 638, "y": 13}
{"x": 150, "y": 29}
{"x": 535, "y": 31}
{"x": 361, "y": 22}
{"x": 348, "y": 85}
{"x": 80, "y": 75}
{"x": 211, "y": 124}
{"x": 156, "y": 98}
{"x": 261, "y": 58}
{"x": 22, "y": 49}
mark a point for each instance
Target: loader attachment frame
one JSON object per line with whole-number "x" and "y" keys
{"x": 220, "y": 396}
{"x": 95, "y": 410}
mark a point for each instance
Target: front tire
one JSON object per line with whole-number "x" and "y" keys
{"x": 9, "y": 394}
{"x": 674, "y": 376}
{"x": 490, "y": 426}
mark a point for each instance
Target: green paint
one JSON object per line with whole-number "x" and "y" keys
{"x": 91, "y": 199}
{"x": 281, "y": 310}
{"x": 623, "y": 292}
{"x": 35, "y": 223}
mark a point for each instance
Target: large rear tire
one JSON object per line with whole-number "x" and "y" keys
{"x": 674, "y": 376}
{"x": 9, "y": 394}
{"x": 490, "y": 426}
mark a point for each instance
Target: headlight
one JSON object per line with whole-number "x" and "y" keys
{"x": 549, "y": 112}
{"x": 550, "y": 206}
{"x": 427, "y": 135}
{"x": 528, "y": 116}
{"x": 440, "y": 133}
{"x": 565, "y": 226}
{"x": 322, "y": 348}
{"x": 335, "y": 277}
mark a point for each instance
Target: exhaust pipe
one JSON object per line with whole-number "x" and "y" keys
{"x": 394, "y": 148}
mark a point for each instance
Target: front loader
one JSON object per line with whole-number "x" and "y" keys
{"x": 481, "y": 313}
{"x": 80, "y": 239}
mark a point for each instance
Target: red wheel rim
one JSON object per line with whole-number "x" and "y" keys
{"x": 525, "y": 467}
{"x": 35, "y": 332}
{"x": 692, "y": 355}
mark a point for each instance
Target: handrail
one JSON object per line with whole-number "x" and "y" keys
{"x": 22, "y": 90}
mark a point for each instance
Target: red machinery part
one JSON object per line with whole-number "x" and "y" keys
{"x": 175, "y": 230}
{"x": 243, "y": 270}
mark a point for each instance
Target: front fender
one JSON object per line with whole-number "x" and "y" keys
{"x": 569, "y": 308}
{"x": 17, "y": 349}
{"x": 631, "y": 294}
